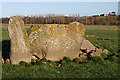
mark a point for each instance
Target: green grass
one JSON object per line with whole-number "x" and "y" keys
{"x": 101, "y": 27}
{"x": 85, "y": 70}
{"x": 5, "y": 34}
{"x": 104, "y": 39}
{"x": 96, "y": 67}
{"x": 4, "y": 24}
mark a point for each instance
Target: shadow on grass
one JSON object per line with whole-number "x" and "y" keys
{"x": 5, "y": 49}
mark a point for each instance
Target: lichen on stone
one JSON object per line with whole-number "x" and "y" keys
{"x": 50, "y": 41}
{"x": 20, "y": 47}
{"x": 57, "y": 40}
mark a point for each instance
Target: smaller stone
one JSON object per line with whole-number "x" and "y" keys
{"x": 33, "y": 58}
{"x": 83, "y": 55}
{"x": 3, "y": 61}
{"x": 59, "y": 65}
{"x": 44, "y": 62}
{"x": 97, "y": 53}
{"x": 105, "y": 51}
{"x": 87, "y": 36}
{"x": 93, "y": 53}
{"x": 58, "y": 71}
{"x": 88, "y": 50}
{"x": 92, "y": 36}
{"x": 7, "y": 61}
{"x": 87, "y": 45}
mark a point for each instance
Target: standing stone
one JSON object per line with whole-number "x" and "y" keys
{"x": 50, "y": 41}
{"x": 54, "y": 41}
{"x": 20, "y": 48}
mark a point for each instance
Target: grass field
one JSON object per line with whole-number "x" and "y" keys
{"x": 105, "y": 37}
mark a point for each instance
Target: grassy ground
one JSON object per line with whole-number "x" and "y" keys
{"x": 101, "y": 27}
{"x": 84, "y": 70}
{"x": 100, "y": 67}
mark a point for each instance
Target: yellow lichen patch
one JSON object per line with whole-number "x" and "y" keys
{"x": 72, "y": 28}
{"x": 54, "y": 25}
{"x": 82, "y": 33}
{"x": 35, "y": 53}
{"x": 50, "y": 29}
{"x": 53, "y": 30}
{"x": 67, "y": 29}
{"x": 62, "y": 28}
{"x": 16, "y": 19}
{"x": 51, "y": 35}
{"x": 41, "y": 26}
{"x": 35, "y": 28}
{"x": 18, "y": 25}
{"x": 81, "y": 29}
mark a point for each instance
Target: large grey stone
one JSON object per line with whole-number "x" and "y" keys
{"x": 50, "y": 41}
{"x": 20, "y": 48}
{"x": 56, "y": 41}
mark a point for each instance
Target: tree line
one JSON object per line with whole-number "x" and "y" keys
{"x": 89, "y": 20}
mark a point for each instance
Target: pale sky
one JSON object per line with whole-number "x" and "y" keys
{"x": 60, "y": 0}
{"x": 65, "y": 8}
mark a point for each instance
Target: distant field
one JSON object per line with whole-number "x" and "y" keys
{"x": 105, "y": 37}
{"x": 101, "y": 27}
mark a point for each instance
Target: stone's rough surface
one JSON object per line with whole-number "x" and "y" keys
{"x": 50, "y": 41}
{"x": 87, "y": 45}
{"x": 54, "y": 41}
{"x": 20, "y": 48}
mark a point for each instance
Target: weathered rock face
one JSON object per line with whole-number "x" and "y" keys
{"x": 87, "y": 45}
{"x": 52, "y": 41}
{"x": 20, "y": 48}
{"x": 56, "y": 41}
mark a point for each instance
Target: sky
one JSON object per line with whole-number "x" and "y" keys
{"x": 66, "y": 8}
{"x": 59, "y": 0}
